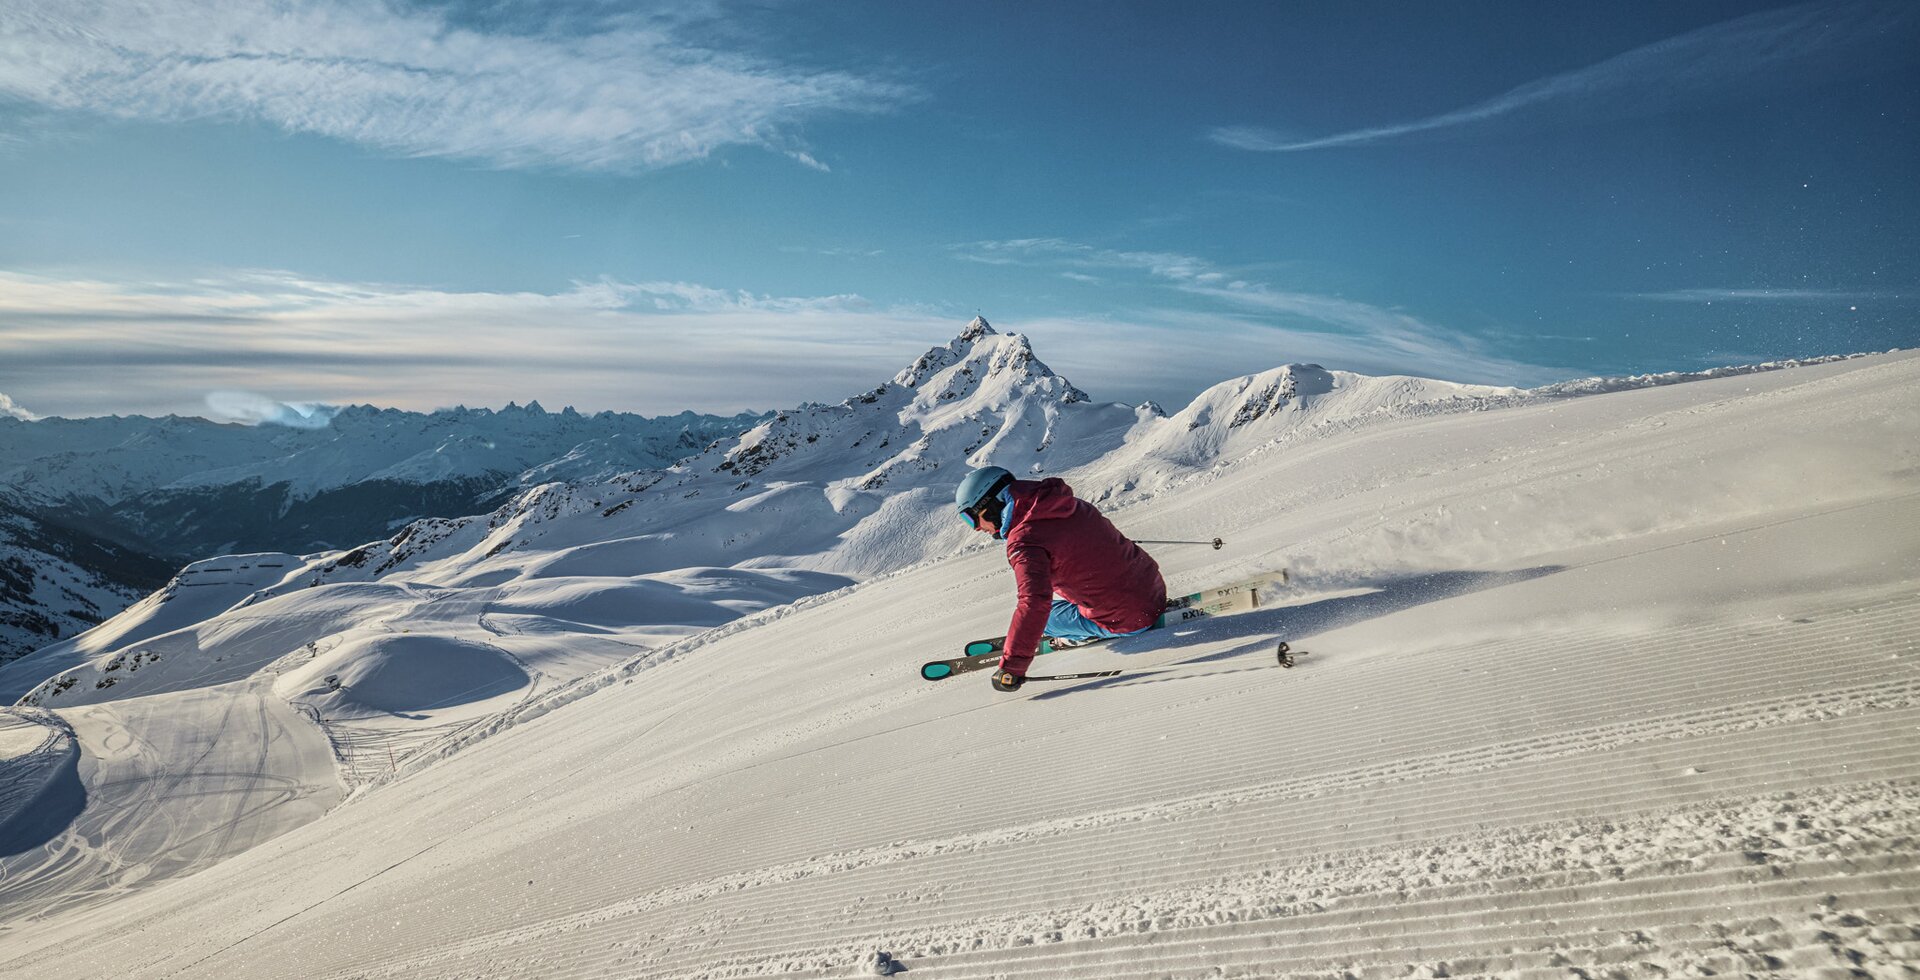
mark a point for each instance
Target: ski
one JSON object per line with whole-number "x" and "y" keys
{"x": 934, "y": 670}
{"x": 1286, "y": 658}
{"x": 1237, "y": 597}
{"x": 997, "y": 644}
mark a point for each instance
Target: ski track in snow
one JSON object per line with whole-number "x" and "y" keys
{"x": 1622, "y": 686}
{"x": 1353, "y": 874}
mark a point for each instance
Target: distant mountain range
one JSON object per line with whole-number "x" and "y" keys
{"x": 97, "y": 512}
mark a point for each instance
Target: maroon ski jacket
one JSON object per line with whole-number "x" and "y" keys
{"x": 1059, "y": 544}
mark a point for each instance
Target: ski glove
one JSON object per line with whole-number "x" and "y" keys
{"x": 1007, "y": 680}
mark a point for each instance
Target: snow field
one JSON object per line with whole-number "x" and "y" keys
{"x": 1332, "y": 847}
{"x": 195, "y": 752}
{"x": 173, "y": 783}
{"x": 962, "y": 875}
{"x": 1652, "y": 711}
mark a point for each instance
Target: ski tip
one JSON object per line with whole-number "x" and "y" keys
{"x": 936, "y": 671}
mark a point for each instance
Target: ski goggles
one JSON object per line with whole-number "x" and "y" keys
{"x": 972, "y": 516}
{"x": 994, "y": 501}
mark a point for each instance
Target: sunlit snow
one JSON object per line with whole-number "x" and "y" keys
{"x": 1615, "y": 672}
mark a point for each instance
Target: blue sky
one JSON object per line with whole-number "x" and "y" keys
{"x": 729, "y": 205}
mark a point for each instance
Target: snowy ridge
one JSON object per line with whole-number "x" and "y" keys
{"x": 1596, "y": 386}
{"x": 1242, "y": 416}
{"x": 200, "y": 592}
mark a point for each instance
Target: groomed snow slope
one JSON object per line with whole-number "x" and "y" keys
{"x": 1627, "y": 683}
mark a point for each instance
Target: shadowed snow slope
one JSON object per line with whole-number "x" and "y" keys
{"x": 56, "y": 579}
{"x": 1626, "y": 683}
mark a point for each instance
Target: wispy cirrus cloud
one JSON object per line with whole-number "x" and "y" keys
{"x": 1762, "y": 295}
{"x": 834, "y": 252}
{"x": 1730, "y": 56}
{"x": 1308, "y": 326}
{"x": 1016, "y": 251}
{"x": 1190, "y": 350}
{"x": 622, "y": 95}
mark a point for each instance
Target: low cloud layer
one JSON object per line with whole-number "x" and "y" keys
{"x": 12, "y": 410}
{"x": 623, "y": 95}
{"x": 90, "y": 346}
{"x": 257, "y": 409}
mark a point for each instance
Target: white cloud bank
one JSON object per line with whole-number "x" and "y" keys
{"x": 627, "y": 96}
{"x": 89, "y": 346}
{"x": 13, "y": 410}
{"x": 1730, "y": 56}
{"x": 256, "y": 409}
{"x": 75, "y": 346}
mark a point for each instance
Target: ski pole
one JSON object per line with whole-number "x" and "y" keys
{"x": 1216, "y": 542}
{"x": 1284, "y": 655}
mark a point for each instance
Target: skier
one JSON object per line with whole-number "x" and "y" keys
{"x": 1060, "y": 544}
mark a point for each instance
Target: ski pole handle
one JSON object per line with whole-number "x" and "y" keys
{"x": 1216, "y": 542}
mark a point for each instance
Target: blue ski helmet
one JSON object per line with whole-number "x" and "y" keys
{"x": 978, "y": 490}
{"x": 977, "y": 484}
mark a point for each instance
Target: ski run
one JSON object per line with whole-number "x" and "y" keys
{"x": 1619, "y": 681}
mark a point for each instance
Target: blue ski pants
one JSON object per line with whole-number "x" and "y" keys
{"x": 1067, "y": 622}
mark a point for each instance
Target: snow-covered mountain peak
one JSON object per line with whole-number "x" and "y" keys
{"x": 985, "y": 363}
{"x": 970, "y": 389}
{"x": 940, "y": 358}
